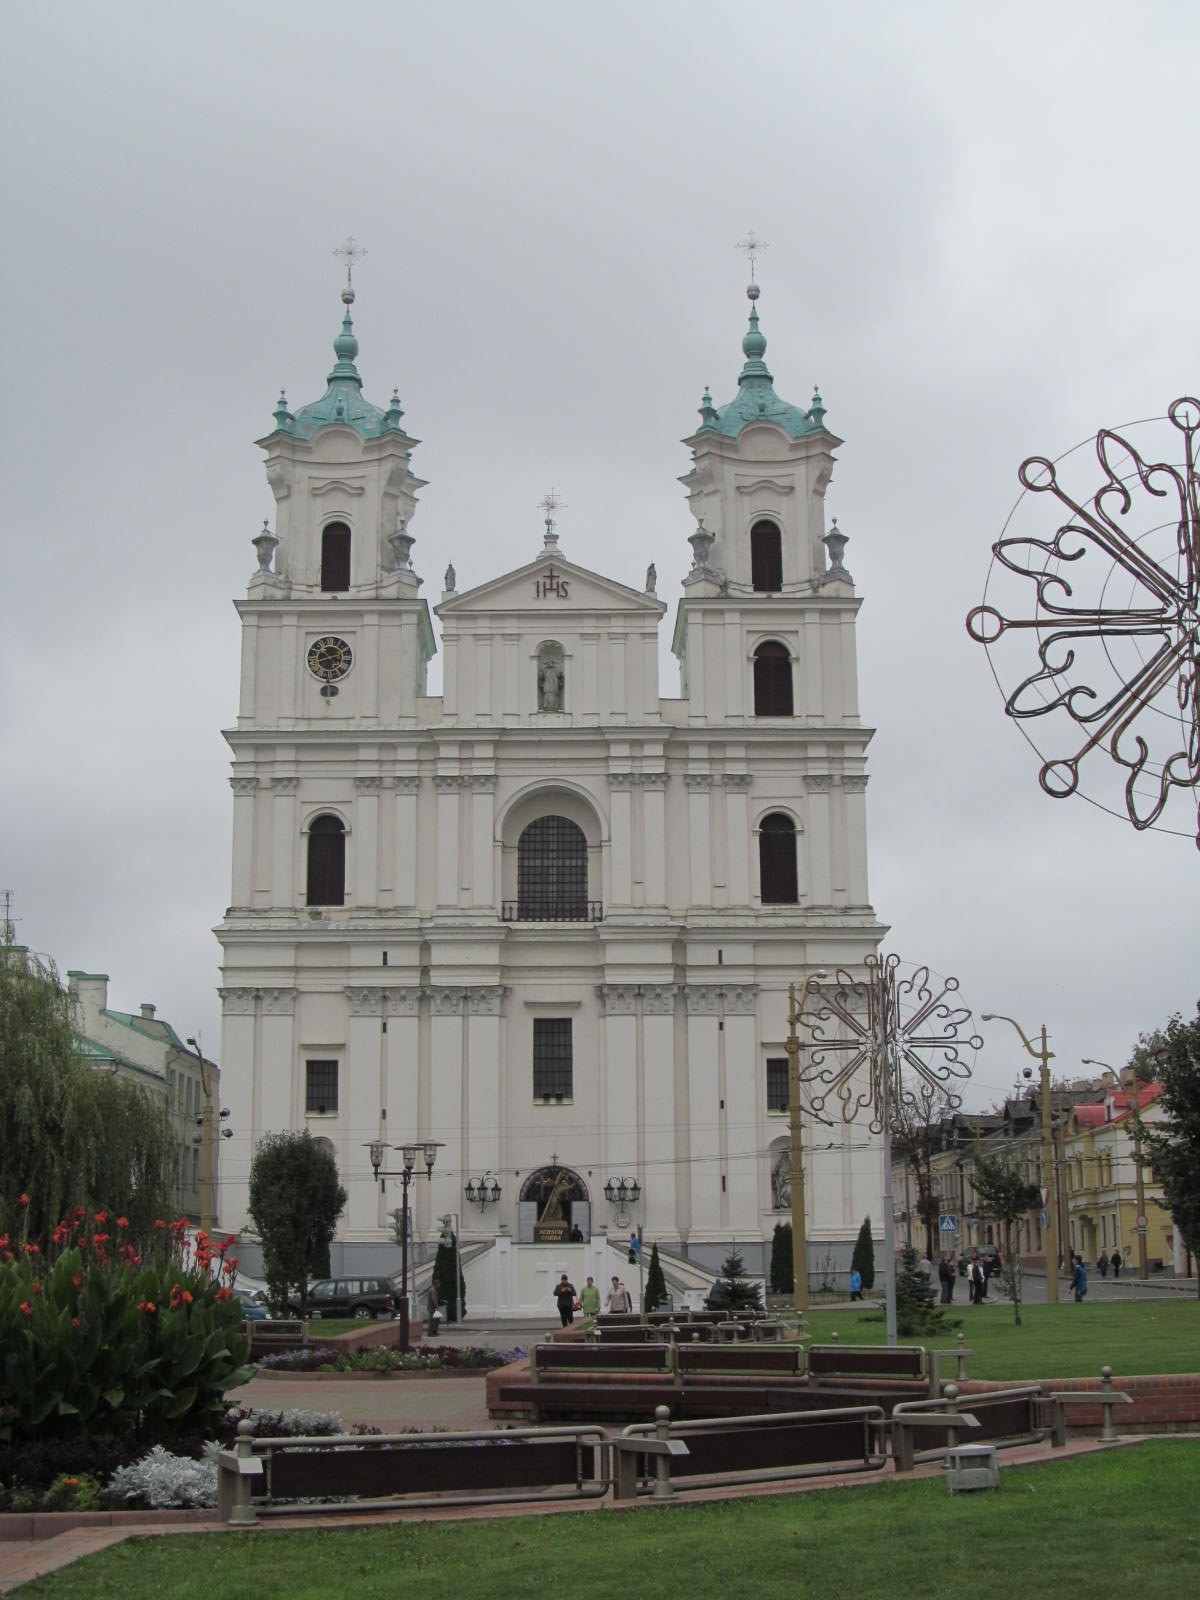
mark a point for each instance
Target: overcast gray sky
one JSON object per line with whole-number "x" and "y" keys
{"x": 982, "y": 231}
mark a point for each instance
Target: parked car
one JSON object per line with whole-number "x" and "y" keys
{"x": 349, "y": 1297}
{"x": 254, "y": 1308}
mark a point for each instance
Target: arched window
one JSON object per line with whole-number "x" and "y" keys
{"x": 766, "y": 557}
{"x": 326, "y": 862}
{"x": 335, "y": 557}
{"x": 772, "y": 680}
{"x": 552, "y": 872}
{"x": 777, "y": 860}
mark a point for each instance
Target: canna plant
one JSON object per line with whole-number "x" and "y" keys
{"x": 101, "y": 1340}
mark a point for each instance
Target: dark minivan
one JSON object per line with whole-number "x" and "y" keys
{"x": 349, "y": 1297}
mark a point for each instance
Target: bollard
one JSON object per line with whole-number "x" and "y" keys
{"x": 961, "y": 1354}
{"x": 950, "y": 1396}
{"x": 833, "y": 1338}
{"x": 1108, "y": 1432}
{"x": 662, "y": 1463}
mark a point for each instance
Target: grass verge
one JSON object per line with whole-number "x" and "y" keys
{"x": 1119, "y": 1522}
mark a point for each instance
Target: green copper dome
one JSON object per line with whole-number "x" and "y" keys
{"x": 756, "y": 400}
{"x": 343, "y": 403}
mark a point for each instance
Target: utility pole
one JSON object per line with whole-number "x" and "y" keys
{"x": 1050, "y": 1232}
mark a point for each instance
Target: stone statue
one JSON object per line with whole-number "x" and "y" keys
{"x": 451, "y": 578}
{"x": 781, "y": 1182}
{"x": 550, "y": 684}
{"x": 651, "y": 578}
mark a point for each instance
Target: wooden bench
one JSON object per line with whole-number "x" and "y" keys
{"x": 1000, "y": 1416}
{"x": 275, "y": 1333}
{"x": 746, "y": 1449}
{"x": 269, "y": 1476}
{"x": 589, "y": 1357}
{"x": 755, "y": 1360}
{"x": 888, "y": 1362}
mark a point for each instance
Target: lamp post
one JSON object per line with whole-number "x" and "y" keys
{"x": 208, "y": 1143}
{"x": 795, "y": 1143}
{"x": 408, "y": 1152}
{"x": 1043, "y": 1056}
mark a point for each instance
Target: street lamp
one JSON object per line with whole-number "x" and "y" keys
{"x": 1044, "y": 1056}
{"x": 795, "y": 1144}
{"x": 206, "y": 1139}
{"x": 622, "y": 1191}
{"x": 482, "y": 1193}
{"x": 428, "y": 1149}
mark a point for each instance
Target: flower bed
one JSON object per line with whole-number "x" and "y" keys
{"x": 424, "y": 1361}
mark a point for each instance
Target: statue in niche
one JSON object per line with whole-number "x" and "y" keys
{"x": 781, "y": 1182}
{"x": 551, "y": 678}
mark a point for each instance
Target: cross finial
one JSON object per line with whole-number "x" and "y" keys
{"x": 551, "y": 504}
{"x": 753, "y": 247}
{"x": 350, "y": 252}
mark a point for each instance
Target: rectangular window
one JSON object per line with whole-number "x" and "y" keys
{"x": 777, "y": 1083}
{"x": 552, "y": 1058}
{"x": 320, "y": 1087}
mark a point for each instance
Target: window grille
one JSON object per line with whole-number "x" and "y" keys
{"x": 320, "y": 1087}
{"x": 777, "y": 1083}
{"x": 777, "y": 860}
{"x": 326, "y": 862}
{"x": 773, "y": 680}
{"x": 552, "y": 872}
{"x": 766, "y": 557}
{"x": 552, "y": 1058}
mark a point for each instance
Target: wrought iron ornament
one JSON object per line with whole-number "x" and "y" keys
{"x": 865, "y": 1032}
{"x": 1116, "y": 593}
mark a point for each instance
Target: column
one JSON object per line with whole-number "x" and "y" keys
{"x": 739, "y": 838}
{"x": 241, "y": 886}
{"x": 510, "y": 709}
{"x": 703, "y": 1006}
{"x": 368, "y": 664}
{"x": 620, "y": 786}
{"x": 742, "y": 1100}
{"x": 589, "y": 701}
{"x": 818, "y": 839}
{"x": 738, "y": 669}
{"x": 619, "y": 710}
{"x": 283, "y": 842}
{"x": 483, "y": 807}
{"x": 406, "y": 840}
{"x": 658, "y": 1103}
{"x": 654, "y": 828}
{"x": 359, "y": 1104}
{"x": 699, "y": 843}
{"x": 837, "y": 843}
{"x": 239, "y": 1084}
{"x": 482, "y": 1100}
{"x": 813, "y": 686}
{"x": 447, "y": 789}
{"x": 621, "y": 1114}
{"x": 366, "y": 854}
{"x": 445, "y": 1066}
{"x": 856, "y": 838}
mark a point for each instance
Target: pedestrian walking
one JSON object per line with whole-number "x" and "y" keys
{"x": 946, "y": 1277}
{"x": 1102, "y": 1263}
{"x": 1079, "y": 1279}
{"x": 589, "y": 1299}
{"x": 1114, "y": 1262}
{"x": 564, "y": 1299}
{"x": 619, "y": 1298}
{"x": 856, "y": 1285}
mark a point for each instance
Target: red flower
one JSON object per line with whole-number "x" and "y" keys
{"x": 122, "y": 1222}
{"x": 26, "y": 1308}
{"x": 24, "y": 1200}
{"x": 36, "y": 1287}
{"x": 3, "y": 1241}
{"x": 159, "y": 1223}
{"x": 223, "y": 1294}
{"x": 101, "y": 1216}
{"x": 74, "y": 1322}
{"x": 186, "y": 1298}
{"x": 78, "y": 1282}
{"x": 99, "y": 1239}
{"x": 147, "y": 1305}
{"x": 30, "y": 1249}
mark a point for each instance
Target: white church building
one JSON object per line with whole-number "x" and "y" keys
{"x": 546, "y": 920}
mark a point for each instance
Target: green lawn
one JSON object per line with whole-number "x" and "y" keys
{"x": 1063, "y": 1341}
{"x": 1118, "y": 1523}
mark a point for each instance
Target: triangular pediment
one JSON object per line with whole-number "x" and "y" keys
{"x": 550, "y": 583}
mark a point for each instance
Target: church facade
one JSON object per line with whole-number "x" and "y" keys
{"x": 545, "y": 922}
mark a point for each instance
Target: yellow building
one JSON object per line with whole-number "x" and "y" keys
{"x": 1105, "y": 1190}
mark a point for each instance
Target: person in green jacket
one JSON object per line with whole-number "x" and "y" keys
{"x": 589, "y": 1299}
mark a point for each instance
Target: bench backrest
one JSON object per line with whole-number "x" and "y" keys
{"x": 1009, "y": 1416}
{"x": 775, "y": 1445}
{"x": 560, "y": 1358}
{"x": 373, "y": 1473}
{"x": 752, "y": 1359}
{"x": 869, "y": 1360}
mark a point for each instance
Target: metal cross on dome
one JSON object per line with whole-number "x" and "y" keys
{"x": 350, "y": 252}
{"x": 864, "y": 1032}
{"x": 1116, "y": 597}
{"x": 752, "y": 247}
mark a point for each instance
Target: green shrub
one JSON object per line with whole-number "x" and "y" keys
{"x": 100, "y": 1341}
{"x": 782, "y": 1274}
{"x": 656, "y": 1283}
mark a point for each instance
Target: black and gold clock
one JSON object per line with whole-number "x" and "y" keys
{"x": 330, "y": 658}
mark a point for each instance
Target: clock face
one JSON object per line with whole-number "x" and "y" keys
{"x": 330, "y": 658}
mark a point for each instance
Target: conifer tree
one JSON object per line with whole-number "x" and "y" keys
{"x": 733, "y": 1291}
{"x": 656, "y": 1284}
{"x": 917, "y": 1311}
{"x": 863, "y": 1259}
{"x": 782, "y": 1275}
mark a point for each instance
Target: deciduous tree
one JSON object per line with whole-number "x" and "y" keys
{"x": 1174, "y": 1148}
{"x": 1004, "y": 1194}
{"x": 295, "y": 1201}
